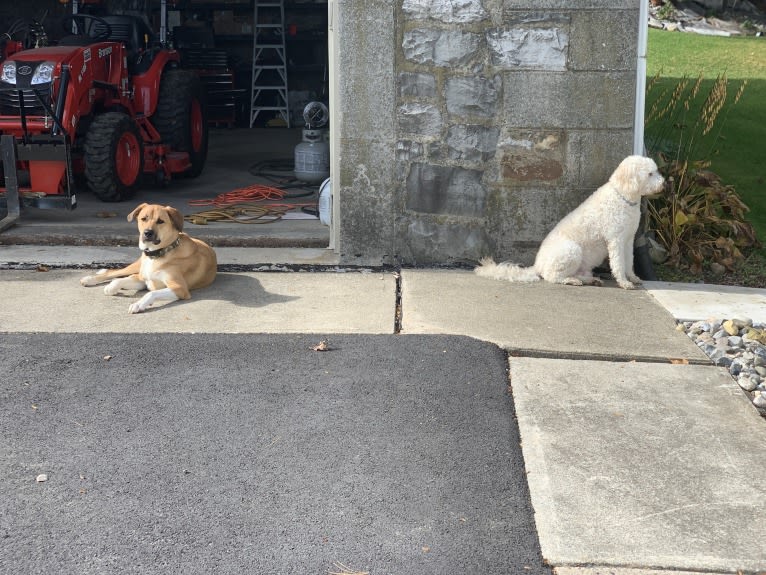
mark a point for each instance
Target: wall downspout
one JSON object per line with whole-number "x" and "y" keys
{"x": 638, "y": 122}
{"x": 642, "y": 260}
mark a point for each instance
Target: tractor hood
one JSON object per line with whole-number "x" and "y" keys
{"x": 30, "y": 68}
{"x": 50, "y": 53}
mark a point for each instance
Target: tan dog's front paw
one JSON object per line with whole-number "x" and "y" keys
{"x": 112, "y": 288}
{"x": 147, "y": 300}
{"x": 88, "y": 281}
{"x": 135, "y": 307}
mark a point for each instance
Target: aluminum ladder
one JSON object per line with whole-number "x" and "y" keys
{"x": 269, "y": 88}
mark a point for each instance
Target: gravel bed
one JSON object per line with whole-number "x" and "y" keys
{"x": 738, "y": 345}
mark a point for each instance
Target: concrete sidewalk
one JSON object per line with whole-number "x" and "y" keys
{"x": 641, "y": 456}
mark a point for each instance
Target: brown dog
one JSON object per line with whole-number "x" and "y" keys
{"x": 171, "y": 263}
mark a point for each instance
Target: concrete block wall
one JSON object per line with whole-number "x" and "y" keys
{"x": 470, "y": 127}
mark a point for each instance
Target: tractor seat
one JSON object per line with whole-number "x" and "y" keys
{"x": 135, "y": 34}
{"x": 132, "y": 31}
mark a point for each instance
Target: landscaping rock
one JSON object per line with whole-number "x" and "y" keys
{"x": 738, "y": 345}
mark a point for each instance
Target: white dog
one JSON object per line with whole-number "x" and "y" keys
{"x": 603, "y": 225}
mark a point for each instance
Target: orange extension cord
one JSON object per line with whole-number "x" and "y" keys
{"x": 254, "y": 193}
{"x": 238, "y": 206}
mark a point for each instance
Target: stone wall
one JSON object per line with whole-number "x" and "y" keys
{"x": 470, "y": 127}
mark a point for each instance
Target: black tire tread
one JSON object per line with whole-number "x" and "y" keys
{"x": 100, "y": 169}
{"x": 171, "y": 118}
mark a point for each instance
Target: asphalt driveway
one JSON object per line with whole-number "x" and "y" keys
{"x": 210, "y": 453}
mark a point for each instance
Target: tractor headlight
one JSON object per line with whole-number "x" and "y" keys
{"x": 8, "y": 74}
{"x": 44, "y": 73}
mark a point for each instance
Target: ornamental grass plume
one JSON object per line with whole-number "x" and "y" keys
{"x": 699, "y": 220}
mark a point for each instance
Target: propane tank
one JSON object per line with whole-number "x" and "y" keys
{"x": 325, "y": 203}
{"x": 312, "y": 155}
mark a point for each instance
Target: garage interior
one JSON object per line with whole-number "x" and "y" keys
{"x": 262, "y": 63}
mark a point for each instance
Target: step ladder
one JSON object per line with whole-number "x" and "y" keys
{"x": 269, "y": 89}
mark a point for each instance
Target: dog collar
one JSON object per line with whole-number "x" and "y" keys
{"x": 624, "y": 199}
{"x": 161, "y": 252}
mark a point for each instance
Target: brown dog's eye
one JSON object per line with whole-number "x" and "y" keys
{"x": 160, "y": 221}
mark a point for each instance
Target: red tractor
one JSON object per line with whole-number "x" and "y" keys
{"x": 101, "y": 109}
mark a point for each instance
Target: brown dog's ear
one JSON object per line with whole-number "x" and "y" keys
{"x": 135, "y": 212}
{"x": 176, "y": 217}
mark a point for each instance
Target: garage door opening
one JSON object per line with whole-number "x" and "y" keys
{"x": 248, "y": 194}
{"x": 271, "y": 113}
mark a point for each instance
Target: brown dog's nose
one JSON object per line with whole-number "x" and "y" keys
{"x": 148, "y": 234}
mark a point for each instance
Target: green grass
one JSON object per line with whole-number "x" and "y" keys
{"x": 738, "y": 154}
{"x": 675, "y": 54}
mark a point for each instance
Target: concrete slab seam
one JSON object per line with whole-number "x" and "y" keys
{"x": 585, "y": 356}
{"x": 605, "y": 569}
{"x": 398, "y": 303}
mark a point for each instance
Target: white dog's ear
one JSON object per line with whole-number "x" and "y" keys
{"x": 627, "y": 177}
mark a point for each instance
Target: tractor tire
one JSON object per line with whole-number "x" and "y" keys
{"x": 181, "y": 117}
{"x": 114, "y": 157}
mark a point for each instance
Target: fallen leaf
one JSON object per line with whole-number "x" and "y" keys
{"x": 107, "y": 357}
{"x": 106, "y": 215}
{"x": 42, "y": 478}
{"x": 321, "y": 346}
{"x": 42, "y": 268}
{"x": 679, "y": 361}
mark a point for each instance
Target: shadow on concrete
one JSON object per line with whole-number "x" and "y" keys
{"x": 241, "y": 290}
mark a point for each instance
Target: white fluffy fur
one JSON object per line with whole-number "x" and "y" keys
{"x": 603, "y": 225}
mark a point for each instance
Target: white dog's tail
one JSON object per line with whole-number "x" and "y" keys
{"x": 506, "y": 271}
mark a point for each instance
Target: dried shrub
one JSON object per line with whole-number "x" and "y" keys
{"x": 700, "y": 220}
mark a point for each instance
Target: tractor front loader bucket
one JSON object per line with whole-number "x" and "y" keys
{"x": 49, "y": 169}
{"x": 13, "y": 209}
